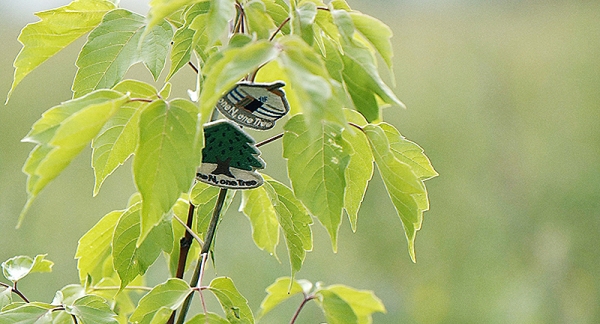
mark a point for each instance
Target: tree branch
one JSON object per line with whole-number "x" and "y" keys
{"x": 285, "y": 21}
{"x": 15, "y": 290}
{"x": 269, "y": 140}
{"x": 306, "y": 300}
{"x": 210, "y": 235}
{"x": 194, "y": 67}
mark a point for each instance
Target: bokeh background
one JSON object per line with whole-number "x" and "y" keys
{"x": 505, "y": 98}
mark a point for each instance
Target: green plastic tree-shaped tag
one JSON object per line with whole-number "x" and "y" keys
{"x": 255, "y": 105}
{"x": 229, "y": 157}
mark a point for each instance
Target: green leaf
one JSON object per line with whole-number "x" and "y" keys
{"x": 219, "y": 15}
{"x": 114, "y": 46}
{"x": 279, "y": 11}
{"x": 166, "y": 158}
{"x": 316, "y": 166}
{"x": 170, "y": 294}
{"x": 281, "y": 290}
{"x": 95, "y": 245}
{"x": 29, "y": 313}
{"x": 68, "y": 294}
{"x": 303, "y": 20}
{"x": 363, "y": 302}
{"x": 376, "y": 32}
{"x": 204, "y": 197}
{"x": 233, "y": 303}
{"x": 16, "y": 268}
{"x": 61, "y": 134}
{"x": 235, "y": 64}
{"x": 359, "y": 171}
{"x": 92, "y": 309}
{"x": 257, "y": 206}
{"x": 118, "y": 138}
{"x": 309, "y": 81}
{"x": 294, "y": 220}
{"x": 259, "y": 21}
{"x": 128, "y": 259}
{"x": 159, "y": 9}
{"x": 209, "y": 318}
{"x": 403, "y": 185}
{"x": 56, "y": 30}
{"x": 182, "y": 49}
{"x": 409, "y": 153}
{"x": 361, "y": 75}
{"x": 5, "y": 296}
{"x": 337, "y": 310}
{"x": 154, "y": 47}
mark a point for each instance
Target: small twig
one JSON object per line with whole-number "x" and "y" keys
{"x": 307, "y": 298}
{"x": 194, "y": 67}
{"x": 285, "y": 21}
{"x": 19, "y": 293}
{"x": 323, "y": 8}
{"x": 356, "y": 126}
{"x": 269, "y": 140}
{"x": 188, "y": 229}
{"x": 140, "y": 100}
{"x": 210, "y": 235}
{"x": 204, "y": 258}
{"x": 117, "y": 288}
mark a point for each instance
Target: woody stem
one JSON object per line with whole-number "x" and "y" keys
{"x": 210, "y": 235}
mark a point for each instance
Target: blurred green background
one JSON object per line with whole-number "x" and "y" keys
{"x": 504, "y": 97}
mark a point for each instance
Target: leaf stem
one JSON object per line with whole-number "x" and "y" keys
{"x": 199, "y": 271}
{"x": 16, "y": 291}
{"x": 144, "y": 288}
{"x": 269, "y": 140}
{"x": 285, "y": 21}
{"x": 356, "y": 126}
{"x": 188, "y": 229}
{"x": 194, "y": 67}
{"x": 307, "y": 298}
{"x": 140, "y": 100}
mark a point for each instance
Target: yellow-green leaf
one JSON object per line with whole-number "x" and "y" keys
{"x": 118, "y": 138}
{"x": 281, "y": 290}
{"x": 61, "y": 134}
{"x": 360, "y": 168}
{"x": 166, "y": 158}
{"x": 409, "y": 152}
{"x": 310, "y": 82}
{"x": 56, "y": 30}
{"x": 294, "y": 220}
{"x": 16, "y": 268}
{"x": 363, "y": 302}
{"x": 257, "y": 206}
{"x": 114, "y": 46}
{"x": 404, "y": 187}
{"x": 170, "y": 294}
{"x": 95, "y": 246}
{"x": 316, "y": 167}
{"x": 336, "y": 309}
{"x": 233, "y": 303}
{"x": 233, "y": 65}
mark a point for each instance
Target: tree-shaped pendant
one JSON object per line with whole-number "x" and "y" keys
{"x": 229, "y": 157}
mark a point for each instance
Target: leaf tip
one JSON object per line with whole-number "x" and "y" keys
{"x": 24, "y": 211}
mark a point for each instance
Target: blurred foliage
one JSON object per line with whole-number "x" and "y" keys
{"x": 504, "y": 99}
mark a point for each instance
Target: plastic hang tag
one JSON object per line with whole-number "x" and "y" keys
{"x": 229, "y": 157}
{"x": 255, "y": 105}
